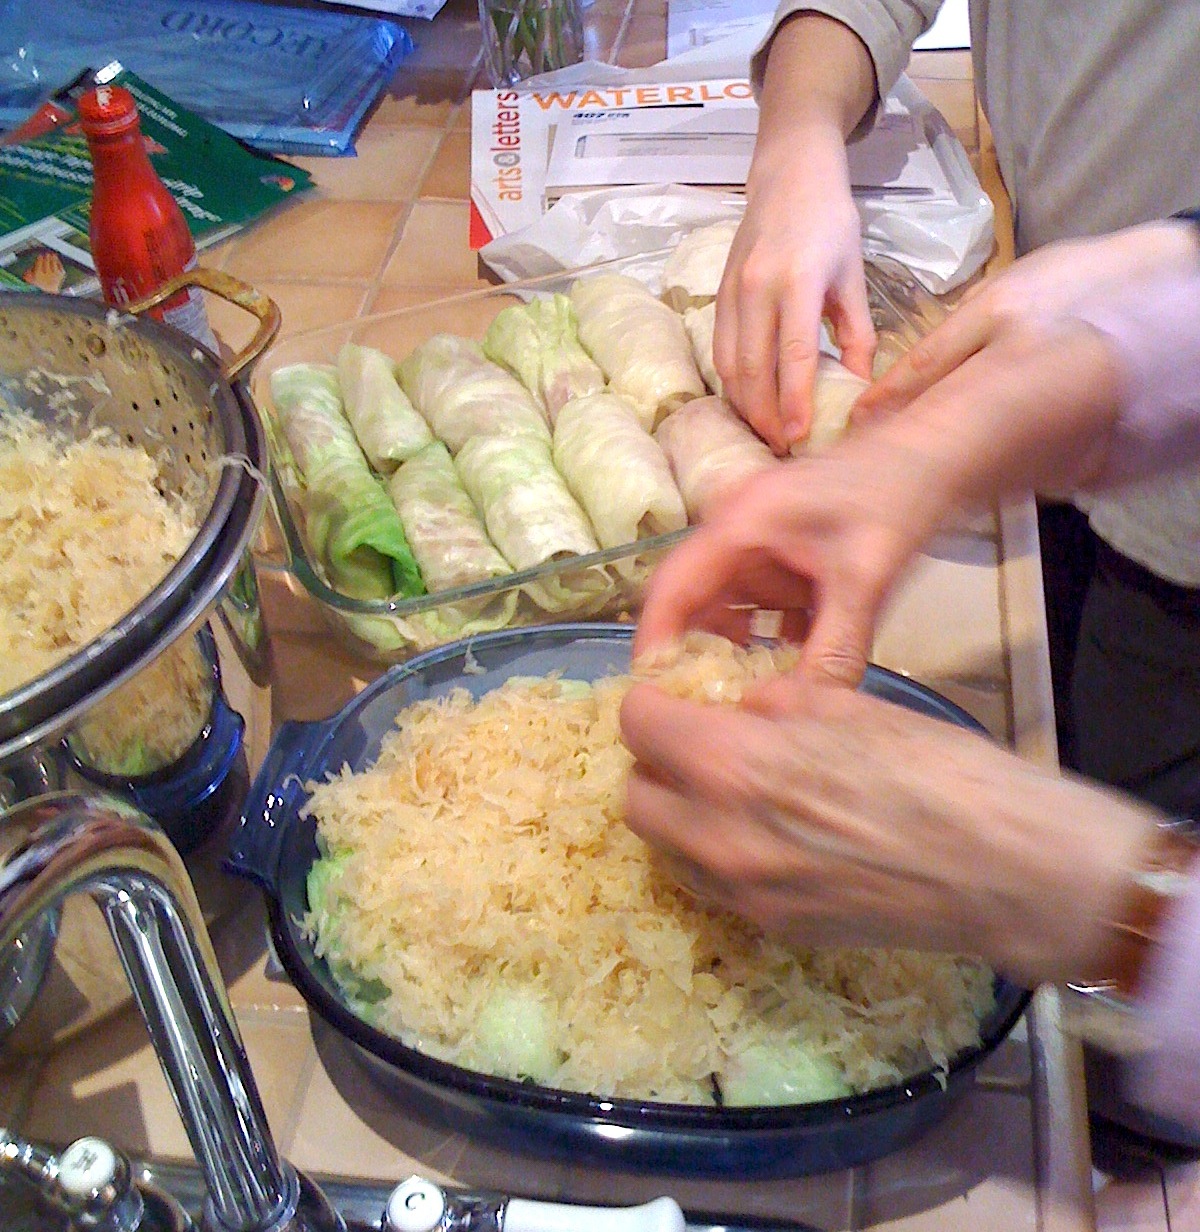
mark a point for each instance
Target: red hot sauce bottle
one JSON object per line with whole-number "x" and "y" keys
{"x": 139, "y": 236}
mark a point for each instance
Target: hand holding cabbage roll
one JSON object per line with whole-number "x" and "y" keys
{"x": 461, "y": 393}
{"x": 387, "y": 426}
{"x": 443, "y": 526}
{"x": 834, "y": 394}
{"x": 834, "y": 390}
{"x": 539, "y": 342}
{"x": 351, "y": 526}
{"x": 616, "y": 470}
{"x": 639, "y": 343}
{"x": 711, "y": 449}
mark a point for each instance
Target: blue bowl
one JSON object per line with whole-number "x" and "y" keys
{"x": 275, "y": 847}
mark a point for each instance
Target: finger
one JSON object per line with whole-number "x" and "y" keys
{"x": 685, "y": 589}
{"x": 752, "y": 383}
{"x": 853, "y": 330}
{"x": 798, "y": 354}
{"x": 686, "y": 744}
{"x": 963, "y": 334}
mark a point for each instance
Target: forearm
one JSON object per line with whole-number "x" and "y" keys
{"x": 817, "y": 71}
{"x": 1034, "y": 412}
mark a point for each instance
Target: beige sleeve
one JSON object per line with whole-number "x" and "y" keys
{"x": 888, "y": 29}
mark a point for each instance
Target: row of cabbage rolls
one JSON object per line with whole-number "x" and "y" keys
{"x": 580, "y": 422}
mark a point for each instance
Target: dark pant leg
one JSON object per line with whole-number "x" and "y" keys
{"x": 1068, "y": 550}
{"x": 1136, "y": 685}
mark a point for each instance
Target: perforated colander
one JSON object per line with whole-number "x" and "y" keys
{"x": 77, "y": 365}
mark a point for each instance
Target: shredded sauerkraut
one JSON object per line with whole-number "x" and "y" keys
{"x": 481, "y": 899}
{"x": 85, "y": 535}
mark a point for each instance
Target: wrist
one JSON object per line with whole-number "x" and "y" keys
{"x": 1099, "y": 1009}
{"x": 1153, "y": 887}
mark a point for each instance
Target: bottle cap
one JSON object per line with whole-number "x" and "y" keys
{"x": 106, "y": 111}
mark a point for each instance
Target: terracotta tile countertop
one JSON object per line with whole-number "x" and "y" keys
{"x": 387, "y": 229}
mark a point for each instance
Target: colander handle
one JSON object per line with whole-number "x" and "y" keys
{"x": 235, "y": 291}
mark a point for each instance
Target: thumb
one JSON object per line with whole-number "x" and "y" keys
{"x": 838, "y": 644}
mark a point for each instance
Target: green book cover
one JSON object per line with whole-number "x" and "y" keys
{"x": 46, "y": 189}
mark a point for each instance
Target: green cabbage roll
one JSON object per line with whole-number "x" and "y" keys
{"x": 351, "y": 526}
{"x": 447, "y": 534}
{"x": 639, "y": 343}
{"x": 710, "y": 449}
{"x": 461, "y": 393}
{"x": 539, "y": 343}
{"x": 616, "y": 470}
{"x": 386, "y": 423}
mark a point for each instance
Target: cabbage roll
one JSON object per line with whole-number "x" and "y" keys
{"x": 698, "y": 324}
{"x": 616, "y": 470}
{"x": 639, "y": 343}
{"x": 386, "y": 423}
{"x": 530, "y": 513}
{"x": 461, "y": 393}
{"x": 539, "y": 343}
{"x": 835, "y": 387}
{"x": 527, "y": 507}
{"x": 692, "y": 273}
{"x": 443, "y": 526}
{"x": 834, "y": 393}
{"x": 711, "y": 449}
{"x": 351, "y": 526}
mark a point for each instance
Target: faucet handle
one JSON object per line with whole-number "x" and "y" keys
{"x": 92, "y": 1184}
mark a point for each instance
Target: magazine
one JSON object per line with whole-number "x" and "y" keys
{"x": 46, "y": 183}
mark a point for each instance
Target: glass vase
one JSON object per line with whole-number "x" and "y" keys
{"x": 522, "y": 38}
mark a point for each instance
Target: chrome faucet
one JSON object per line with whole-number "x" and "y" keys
{"x": 65, "y": 843}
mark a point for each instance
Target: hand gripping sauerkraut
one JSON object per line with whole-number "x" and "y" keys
{"x": 481, "y": 899}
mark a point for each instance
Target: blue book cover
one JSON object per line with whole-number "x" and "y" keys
{"x": 281, "y": 79}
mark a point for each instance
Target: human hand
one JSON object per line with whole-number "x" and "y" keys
{"x": 46, "y": 272}
{"x": 796, "y": 257}
{"x": 798, "y": 252}
{"x": 1038, "y": 291}
{"x": 819, "y": 540}
{"x": 834, "y": 818}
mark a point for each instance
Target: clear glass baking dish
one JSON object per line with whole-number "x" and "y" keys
{"x": 389, "y": 631}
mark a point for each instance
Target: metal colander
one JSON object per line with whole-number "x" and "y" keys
{"x": 78, "y": 365}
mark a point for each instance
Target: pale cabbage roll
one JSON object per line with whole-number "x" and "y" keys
{"x": 698, "y": 324}
{"x": 834, "y": 393}
{"x": 351, "y": 526}
{"x": 616, "y": 470}
{"x": 835, "y": 387}
{"x": 710, "y": 449}
{"x": 530, "y": 513}
{"x": 447, "y": 534}
{"x": 387, "y": 425}
{"x": 461, "y": 393}
{"x": 692, "y": 273}
{"x": 539, "y": 343}
{"x": 639, "y": 343}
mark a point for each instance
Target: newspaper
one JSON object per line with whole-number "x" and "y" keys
{"x": 46, "y": 184}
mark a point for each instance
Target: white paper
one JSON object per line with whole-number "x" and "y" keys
{"x": 695, "y": 24}
{"x": 950, "y": 31}
{"x": 427, "y": 9}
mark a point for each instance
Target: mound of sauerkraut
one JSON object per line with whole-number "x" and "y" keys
{"x": 481, "y": 899}
{"x": 85, "y": 535}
